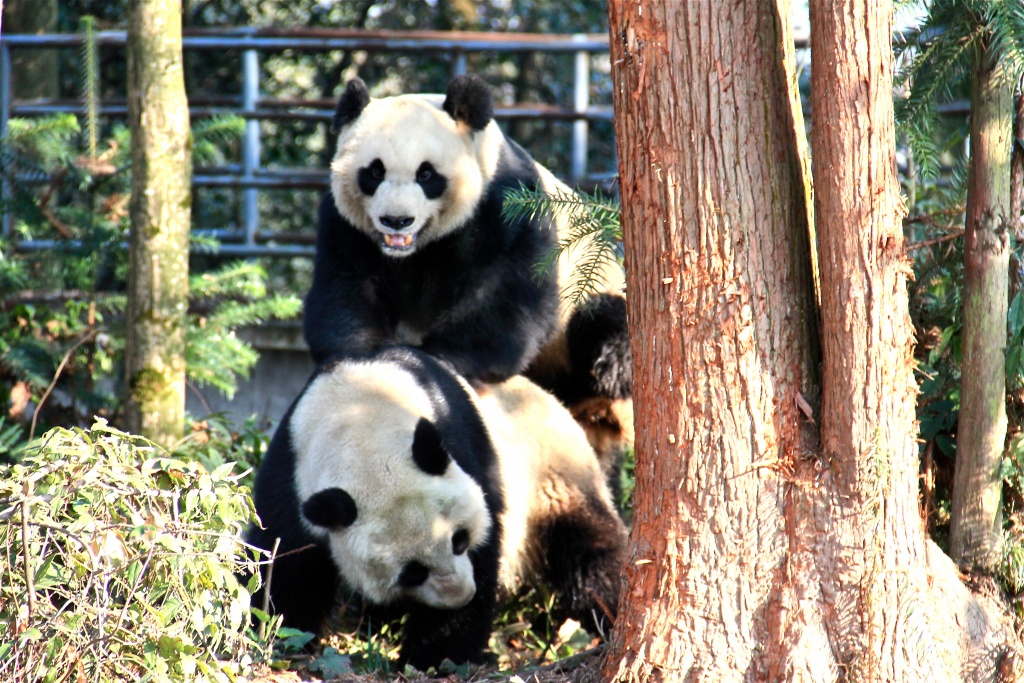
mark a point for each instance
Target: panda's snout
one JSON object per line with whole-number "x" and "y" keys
{"x": 396, "y": 222}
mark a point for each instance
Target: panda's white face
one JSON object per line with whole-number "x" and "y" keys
{"x": 406, "y": 173}
{"x": 374, "y": 479}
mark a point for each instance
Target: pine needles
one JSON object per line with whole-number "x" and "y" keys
{"x": 953, "y": 35}
{"x": 592, "y": 229}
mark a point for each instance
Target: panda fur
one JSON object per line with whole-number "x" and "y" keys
{"x": 391, "y": 474}
{"x": 412, "y": 248}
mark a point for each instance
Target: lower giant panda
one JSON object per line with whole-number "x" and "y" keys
{"x": 413, "y": 247}
{"x": 391, "y": 474}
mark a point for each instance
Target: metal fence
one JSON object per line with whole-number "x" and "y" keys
{"x": 250, "y": 176}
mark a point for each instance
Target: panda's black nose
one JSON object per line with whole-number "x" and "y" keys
{"x": 396, "y": 222}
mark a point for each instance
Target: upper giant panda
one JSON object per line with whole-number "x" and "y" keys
{"x": 392, "y": 474}
{"x": 413, "y": 248}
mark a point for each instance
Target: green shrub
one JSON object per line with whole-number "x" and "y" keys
{"x": 119, "y": 563}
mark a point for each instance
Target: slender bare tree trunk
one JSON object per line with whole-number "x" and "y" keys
{"x": 776, "y": 533}
{"x": 160, "y": 215}
{"x": 976, "y": 532}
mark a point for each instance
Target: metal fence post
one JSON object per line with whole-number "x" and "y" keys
{"x": 250, "y": 144}
{"x": 580, "y": 105}
{"x": 458, "y": 63}
{"x": 5, "y": 113}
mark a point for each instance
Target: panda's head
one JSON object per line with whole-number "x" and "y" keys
{"x": 412, "y": 168}
{"x": 374, "y": 478}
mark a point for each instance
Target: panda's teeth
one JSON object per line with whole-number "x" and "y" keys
{"x": 398, "y": 240}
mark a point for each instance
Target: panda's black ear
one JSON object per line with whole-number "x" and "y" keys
{"x": 427, "y": 450}
{"x": 469, "y": 100}
{"x": 350, "y": 104}
{"x": 331, "y": 508}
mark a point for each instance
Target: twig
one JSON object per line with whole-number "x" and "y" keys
{"x": 30, "y": 587}
{"x": 266, "y": 588}
{"x": 135, "y": 587}
{"x": 202, "y": 399}
{"x": 60, "y": 368}
{"x": 935, "y": 240}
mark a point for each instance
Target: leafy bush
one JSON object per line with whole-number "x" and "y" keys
{"x": 119, "y": 563}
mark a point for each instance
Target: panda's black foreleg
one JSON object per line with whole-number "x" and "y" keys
{"x": 585, "y": 550}
{"x": 434, "y": 635}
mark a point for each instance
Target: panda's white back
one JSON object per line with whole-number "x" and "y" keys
{"x": 547, "y": 465}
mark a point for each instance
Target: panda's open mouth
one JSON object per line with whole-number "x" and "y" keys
{"x": 399, "y": 241}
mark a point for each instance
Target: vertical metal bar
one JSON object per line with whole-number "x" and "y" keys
{"x": 458, "y": 63}
{"x": 250, "y": 143}
{"x": 580, "y": 105}
{"x": 5, "y": 114}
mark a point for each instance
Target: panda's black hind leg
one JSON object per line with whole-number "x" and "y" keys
{"x": 585, "y": 551}
{"x": 597, "y": 335}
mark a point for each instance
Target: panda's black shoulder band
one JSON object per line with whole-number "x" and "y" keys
{"x": 351, "y": 104}
{"x": 469, "y": 100}
{"x": 428, "y": 451}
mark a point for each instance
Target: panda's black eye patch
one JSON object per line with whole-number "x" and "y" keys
{"x": 433, "y": 183}
{"x": 413, "y": 574}
{"x": 370, "y": 177}
{"x": 460, "y": 541}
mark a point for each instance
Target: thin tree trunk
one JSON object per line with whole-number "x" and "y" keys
{"x": 976, "y": 512}
{"x": 764, "y": 549}
{"x": 721, "y": 308}
{"x": 160, "y": 212}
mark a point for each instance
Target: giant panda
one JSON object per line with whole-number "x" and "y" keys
{"x": 413, "y": 248}
{"x": 392, "y": 475}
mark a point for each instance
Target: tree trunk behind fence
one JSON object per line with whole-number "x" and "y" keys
{"x": 160, "y": 212}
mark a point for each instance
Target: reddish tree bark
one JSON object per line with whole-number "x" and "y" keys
{"x": 772, "y": 540}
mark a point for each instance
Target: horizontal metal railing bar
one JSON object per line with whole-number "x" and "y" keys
{"x": 238, "y": 250}
{"x": 325, "y": 40}
{"x": 262, "y": 237}
{"x": 120, "y": 109}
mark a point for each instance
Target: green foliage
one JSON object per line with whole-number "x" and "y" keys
{"x": 211, "y": 136}
{"x": 62, "y": 305}
{"x": 594, "y": 229}
{"x": 528, "y": 632}
{"x": 216, "y": 441}
{"x": 91, "y": 84}
{"x": 942, "y": 55}
{"x": 119, "y": 563}
{"x": 234, "y": 296}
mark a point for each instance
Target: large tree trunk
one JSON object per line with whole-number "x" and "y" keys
{"x": 772, "y": 541}
{"x": 976, "y": 532}
{"x": 160, "y": 216}
{"x": 721, "y": 306}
